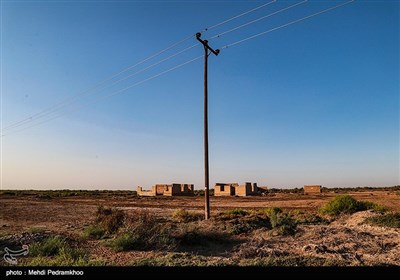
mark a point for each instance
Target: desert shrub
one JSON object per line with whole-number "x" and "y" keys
{"x": 232, "y": 214}
{"x": 236, "y": 211}
{"x": 283, "y": 223}
{"x": 182, "y": 215}
{"x": 311, "y": 219}
{"x": 271, "y": 211}
{"x": 388, "y": 220}
{"x": 198, "y": 235}
{"x": 248, "y": 223}
{"x": 346, "y": 204}
{"x": 370, "y": 205}
{"x": 36, "y": 230}
{"x": 56, "y": 251}
{"x": 240, "y": 228}
{"x": 110, "y": 219}
{"x": 143, "y": 232}
{"x": 127, "y": 242}
{"x": 50, "y": 246}
{"x": 94, "y": 232}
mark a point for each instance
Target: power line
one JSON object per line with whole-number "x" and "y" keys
{"x": 238, "y": 16}
{"x": 74, "y": 100}
{"x": 84, "y": 93}
{"x": 258, "y": 19}
{"x": 110, "y": 95}
{"x": 285, "y": 25}
{"x": 59, "y": 106}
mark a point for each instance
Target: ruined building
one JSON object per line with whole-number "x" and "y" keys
{"x": 312, "y": 189}
{"x": 233, "y": 189}
{"x": 167, "y": 190}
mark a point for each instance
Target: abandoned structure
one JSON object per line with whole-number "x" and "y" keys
{"x": 312, "y": 189}
{"x": 233, "y": 189}
{"x": 167, "y": 190}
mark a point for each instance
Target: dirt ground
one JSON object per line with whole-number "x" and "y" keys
{"x": 346, "y": 238}
{"x": 73, "y": 213}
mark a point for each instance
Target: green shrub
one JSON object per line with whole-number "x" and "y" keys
{"x": 55, "y": 251}
{"x": 195, "y": 235}
{"x": 94, "y": 232}
{"x": 244, "y": 224}
{"x": 236, "y": 211}
{"x": 143, "y": 232}
{"x": 36, "y": 230}
{"x": 282, "y": 223}
{"x": 311, "y": 219}
{"x": 182, "y": 215}
{"x": 388, "y": 220}
{"x": 50, "y": 246}
{"x": 271, "y": 211}
{"x": 346, "y": 204}
{"x": 232, "y": 214}
{"x": 126, "y": 242}
{"x": 110, "y": 219}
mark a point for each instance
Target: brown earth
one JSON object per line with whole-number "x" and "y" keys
{"x": 345, "y": 239}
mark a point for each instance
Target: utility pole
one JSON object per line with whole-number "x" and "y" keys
{"x": 207, "y": 48}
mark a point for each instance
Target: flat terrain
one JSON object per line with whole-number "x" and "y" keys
{"x": 345, "y": 239}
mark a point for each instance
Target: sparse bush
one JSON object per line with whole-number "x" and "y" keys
{"x": 36, "y": 230}
{"x": 127, "y": 242}
{"x": 236, "y": 211}
{"x": 271, "y": 211}
{"x": 311, "y": 219}
{"x": 346, "y": 204}
{"x": 182, "y": 215}
{"x": 60, "y": 253}
{"x": 50, "y": 246}
{"x": 232, "y": 214}
{"x": 282, "y": 223}
{"x": 248, "y": 223}
{"x": 388, "y": 220}
{"x": 195, "y": 235}
{"x": 143, "y": 232}
{"x": 110, "y": 219}
{"x": 94, "y": 232}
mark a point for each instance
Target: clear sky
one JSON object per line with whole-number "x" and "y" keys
{"x": 316, "y": 102}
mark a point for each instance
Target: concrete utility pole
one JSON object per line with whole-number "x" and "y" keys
{"x": 207, "y": 48}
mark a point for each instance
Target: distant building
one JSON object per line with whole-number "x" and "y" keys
{"x": 312, "y": 189}
{"x": 225, "y": 189}
{"x": 233, "y": 189}
{"x": 168, "y": 190}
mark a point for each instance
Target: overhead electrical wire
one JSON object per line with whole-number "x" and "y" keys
{"x": 258, "y": 19}
{"x": 59, "y": 106}
{"x": 113, "y": 93}
{"x": 72, "y": 101}
{"x": 84, "y": 93}
{"x": 238, "y": 16}
{"x": 285, "y": 25}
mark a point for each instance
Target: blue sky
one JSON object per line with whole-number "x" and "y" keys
{"x": 316, "y": 102}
